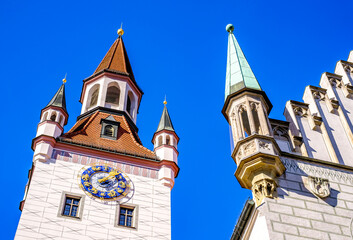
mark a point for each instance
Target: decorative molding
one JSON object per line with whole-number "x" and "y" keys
{"x": 309, "y": 169}
{"x": 86, "y": 160}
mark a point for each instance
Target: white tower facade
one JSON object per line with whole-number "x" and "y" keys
{"x": 97, "y": 180}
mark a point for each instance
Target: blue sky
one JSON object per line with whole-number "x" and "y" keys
{"x": 177, "y": 48}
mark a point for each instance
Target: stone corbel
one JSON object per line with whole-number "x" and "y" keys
{"x": 265, "y": 188}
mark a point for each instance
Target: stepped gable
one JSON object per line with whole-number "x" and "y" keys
{"x": 87, "y": 131}
{"x": 325, "y": 115}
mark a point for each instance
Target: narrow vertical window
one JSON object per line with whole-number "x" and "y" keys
{"x": 53, "y": 117}
{"x": 256, "y": 120}
{"x": 45, "y": 116}
{"x": 245, "y": 121}
{"x": 94, "y": 97}
{"x": 167, "y": 140}
{"x": 159, "y": 140}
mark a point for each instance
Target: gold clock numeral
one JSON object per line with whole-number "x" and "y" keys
{"x": 112, "y": 194}
{"x": 85, "y": 177}
{"x": 122, "y": 184}
{"x": 120, "y": 190}
{"x": 87, "y": 184}
{"x": 94, "y": 191}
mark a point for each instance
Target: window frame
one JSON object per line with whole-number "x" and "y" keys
{"x": 115, "y": 125}
{"x": 134, "y": 216}
{"x": 66, "y": 195}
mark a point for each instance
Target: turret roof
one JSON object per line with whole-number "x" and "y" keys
{"x": 239, "y": 74}
{"x": 165, "y": 123}
{"x": 116, "y": 60}
{"x": 59, "y": 99}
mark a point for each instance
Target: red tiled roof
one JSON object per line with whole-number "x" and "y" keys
{"x": 116, "y": 59}
{"x": 88, "y": 131}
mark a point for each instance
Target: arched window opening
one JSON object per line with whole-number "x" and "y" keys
{"x": 246, "y": 125}
{"x": 53, "y": 117}
{"x": 159, "y": 140}
{"x": 45, "y": 116}
{"x": 109, "y": 131}
{"x": 167, "y": 140}
{"x": 130, "y": 104}
{"x": 60, "y": 120}
{"x": 94, "y": 97}
{"x": 113, "y": 95}
{"x": 256, "y": 120}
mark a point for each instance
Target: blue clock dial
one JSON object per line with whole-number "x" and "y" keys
{"x": 105, "y": 182}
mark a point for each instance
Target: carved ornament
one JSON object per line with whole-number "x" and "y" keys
{"x": 264, "y": 188}
{"x": 320, "y": 187}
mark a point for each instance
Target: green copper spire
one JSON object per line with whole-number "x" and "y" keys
{"x": 239, "y": 74}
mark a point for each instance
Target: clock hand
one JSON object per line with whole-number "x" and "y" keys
{"x": 111, "y": 174}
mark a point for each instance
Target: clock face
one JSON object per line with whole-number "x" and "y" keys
{"x": 105, "y": 183}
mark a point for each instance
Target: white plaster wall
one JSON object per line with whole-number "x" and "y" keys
{"x": 314, "y": 141}
{"x": 259, "y": 230}
{"x": 39, "y": 218}
{"x": 338, "y": 136}
{"x": 297, "y": 214}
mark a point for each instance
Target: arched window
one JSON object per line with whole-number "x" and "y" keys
{"x": 130, "y": 104}
{"x": 109, "y": 131}
{"x": 53, "y": 116}
{"x": 113, "y": 95}
{"x": 45, "y": 116}
{"x": 60, "y": 120}
{"x": 245, "y": 121}
{"x": 256, "y": 119}
{"x": 167, "y": 140}
{"x": 94, "y": 97}
{"x": 159, "y": 140}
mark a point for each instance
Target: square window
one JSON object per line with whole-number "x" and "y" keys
{"x": 127, "y": 216}
{"x": 71, "y": 206}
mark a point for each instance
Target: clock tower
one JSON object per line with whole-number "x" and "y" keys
{"x": 97, "y": 180}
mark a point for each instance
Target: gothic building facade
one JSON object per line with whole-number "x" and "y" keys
{"x": 97, "y": 180}
{"x": 300, "y": 171}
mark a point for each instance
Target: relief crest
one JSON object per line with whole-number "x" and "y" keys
{"x": 320, "y": 187}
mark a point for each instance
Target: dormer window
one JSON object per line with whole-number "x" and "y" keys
{"x": 110, "y": 128}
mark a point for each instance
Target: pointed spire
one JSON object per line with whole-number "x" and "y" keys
{"x": 165, "y": 123}
{"x": 116, "y": 58}
{"x": 59, "y": 98}
{"x": 239, "y": 74}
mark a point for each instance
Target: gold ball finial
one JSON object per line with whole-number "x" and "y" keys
{"x": 64, "y": 79}
{"x": 120, "y": 30}
{"x": 165, "y": 102}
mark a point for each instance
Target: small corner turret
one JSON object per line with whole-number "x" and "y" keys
{"x": 53, "y": 118}
{"x": 165, "y": 141}
{"x": 246, "y": 109}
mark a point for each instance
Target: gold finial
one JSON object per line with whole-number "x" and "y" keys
{"x": 165, "y": 100}
{"x": 64, "y": 79}
{"x": 120, "y": 30}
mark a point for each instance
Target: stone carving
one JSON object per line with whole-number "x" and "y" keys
{"x": 264, "y": 145}
{"x": 300, "y": 167}
{"x": 249, "y": 148}
{"x": 318, "y": 95}
{"x": 300, "y": 111}
{"x": 320, "y": 187}
{"x": 263, "y": 188}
